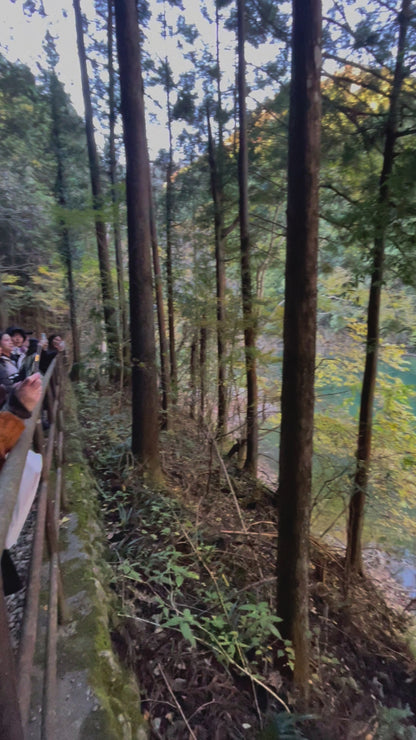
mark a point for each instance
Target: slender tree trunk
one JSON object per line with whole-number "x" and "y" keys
{"x": 145, "y": 406}
{"x": 192, "y": 375}
{"x": 245, "y": 251}
{"x": 297, "y": 401}
{"x": 220, "y": 244}
{"x": 219, "y": 96}
{"x": 3, "y": 308}
{"x": 356, "y": 508}
{"x": 169, "y": 257}
{"x": 66, "y": 250}
{"x": 169, "y": 221}
{"x": 100, "y": 229}
{"x": 122, "y": 303}
{"x": 202, "y": 368}
{"x": 76, "y": 352}
{"x": 169, "y": 265}
{"x": 220, "y": 283}
{"x": 163, "y": 342}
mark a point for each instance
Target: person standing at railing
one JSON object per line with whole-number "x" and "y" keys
{"x": 31, "y": 360}
{"x": 16, "y": 405}
{"x": 9, "y": 370}
{"x": 17, "y": 354}
{"x": 20, "y": 341}
{"x": 55, "y": 345}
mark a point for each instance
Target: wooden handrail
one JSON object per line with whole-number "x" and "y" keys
{"x": 12, "y": 470}
{"x": 15, "y": 683}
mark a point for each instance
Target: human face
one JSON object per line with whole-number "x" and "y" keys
{"x": 6, "y": 345}
{"x": 18, "y": 339}
{"x": 57, "y": 343}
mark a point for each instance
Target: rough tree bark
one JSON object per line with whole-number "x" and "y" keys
{"x": 192, "y": 377}
{"x": 163, "y": 342}
{"x": 145, "y": 406}
{"x": 216, "y": 192}
{"x": 353, "y": 559}
{"x": 203, "y": 336}
{"x": 297, "y": 401}
{"x": 245, "y": 251}
{"x": 169, "y": 220}
{"x": 112, "y": 119}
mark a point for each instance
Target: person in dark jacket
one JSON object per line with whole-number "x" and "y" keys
{"x": 33, "y": 353}
{"x": 55, "y": 345}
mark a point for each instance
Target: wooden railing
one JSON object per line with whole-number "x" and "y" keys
{"x": 16, "y": 668}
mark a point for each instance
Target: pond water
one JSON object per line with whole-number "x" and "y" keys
{"x": 331, "y": 396}
{"x": 403, "y": 569}
{"x": 401, "y": 559}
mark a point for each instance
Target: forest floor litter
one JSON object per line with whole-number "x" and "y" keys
{"x": 194, "y": 573}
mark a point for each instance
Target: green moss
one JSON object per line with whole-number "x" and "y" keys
{"x": 85, "y": 643}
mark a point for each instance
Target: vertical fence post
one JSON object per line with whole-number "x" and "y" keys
{"x": 10, "y": 720}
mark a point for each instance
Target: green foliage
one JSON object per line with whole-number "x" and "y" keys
{"x": 28, "y": 214}
{"x": 284, "y": 726}
{"x": 184, "y": 108}
{"x": 338, "y": 382}
{"x": 355, "y": 103}
{"x": 233, "y": 629}
{"x": 155, "y": 547}
{"x": 229, "y": 627}
{"x": 27, "y": 169}
{"x": 393, "y": 724}
{"x": 257, "y": 622}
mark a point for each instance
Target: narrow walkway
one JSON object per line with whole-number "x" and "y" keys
{"x": 96, "y": 699}
{"x": 92, "y": 697}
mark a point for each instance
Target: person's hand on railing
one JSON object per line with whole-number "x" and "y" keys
{"x": 29, "y": 391}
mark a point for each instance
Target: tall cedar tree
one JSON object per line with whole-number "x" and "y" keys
{"x": 168, "y": 84}
{"x": 246, "y": 283}
{"x": 112, "y": 116}
{"x": 100, "y": 229}
{"x": 297, "y": 401}
{"x": 216, "y": 170}
{"x": 192, "y": 377}
{"x": 203, "y": 340}
{"x": 145, "y": 407}
{"x": 356, "y": 508}
{"x": 163, "y": 341}
{"x": 217, "y": 198}
{"x": 59, "y": 113}
{"x": 56, "y": 94}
